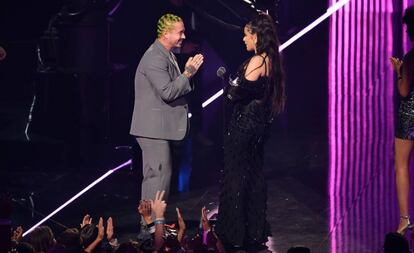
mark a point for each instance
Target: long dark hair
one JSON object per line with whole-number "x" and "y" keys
{"x": 268, "y": 42}
{"x": 408, "y": 19}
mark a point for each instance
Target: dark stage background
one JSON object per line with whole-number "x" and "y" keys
{"x": 78, "y": 98}
{"x": 84, "y": 88}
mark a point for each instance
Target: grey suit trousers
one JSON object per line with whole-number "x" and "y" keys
{"x": 156, "y": 167}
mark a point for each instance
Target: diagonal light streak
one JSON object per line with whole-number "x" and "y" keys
{"x": 335, "y": 7}
{"x": 109, "y": 172}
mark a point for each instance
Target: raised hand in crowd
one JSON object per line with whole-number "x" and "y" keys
{"x": 158, "y": 206}
{"x": 204, "y": 220}
{"x": 109, "y": 229}
{"x": 110, "y": 233}
{"x": 181, "y": 226}
{"x": 86, "y": 220}
{"x": 17, "y": 234}
{"x": 99, "y": 237}
{"x": 210, "y": 238}
{"x": 101, "y": 229}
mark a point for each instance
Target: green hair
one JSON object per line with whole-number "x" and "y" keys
{"x": 166, "y": 22}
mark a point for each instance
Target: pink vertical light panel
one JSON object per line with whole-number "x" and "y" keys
{"x": 361, "y": 182}
{"x": 406, "y": 44}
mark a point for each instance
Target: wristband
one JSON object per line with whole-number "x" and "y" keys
{"x": 159, "y": 221}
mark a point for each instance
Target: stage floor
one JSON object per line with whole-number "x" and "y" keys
{"x": 297, "y": 214}
{"x": 301, "y": 208}
{"x": 298, "y": 207}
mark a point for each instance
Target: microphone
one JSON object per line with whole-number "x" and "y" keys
{"x": 220, "y": 72}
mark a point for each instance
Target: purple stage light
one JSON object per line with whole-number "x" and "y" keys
{"x": 360, "y": 115}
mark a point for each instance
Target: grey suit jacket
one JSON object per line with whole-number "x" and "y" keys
{"x": 160, "y": 110}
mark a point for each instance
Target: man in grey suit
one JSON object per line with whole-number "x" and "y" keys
{"x": 160, "y": 110}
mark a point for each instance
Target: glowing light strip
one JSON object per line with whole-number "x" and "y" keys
{"x": 360, "y": 134}
{"x": 335, "y": 7}
{"x": 329, "y": 12}
{"x": 332, "y": 100}
{"x": 109, "y": 172}
{"x": 214, "y": 97}
{"x": 390, "y": 130}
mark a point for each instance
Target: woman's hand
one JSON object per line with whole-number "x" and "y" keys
{"x": 396, "y": 64}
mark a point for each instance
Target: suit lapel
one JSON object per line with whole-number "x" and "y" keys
{"x": 174, "y": 61}
{"x": 169, "y": 55}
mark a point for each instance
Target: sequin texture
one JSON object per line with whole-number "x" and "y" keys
{"x": 243, "y": 195}
{"x": 404, "y": 128}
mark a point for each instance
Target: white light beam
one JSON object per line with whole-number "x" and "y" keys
{"x": 109, "y": 172}
{"x": 335, "y": 7}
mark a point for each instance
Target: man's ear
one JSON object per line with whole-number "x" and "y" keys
{"x": 165, "y": 35}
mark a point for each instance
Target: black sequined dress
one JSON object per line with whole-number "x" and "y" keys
{"x": 241, "y": 217}
{"x": 404, "y": 128}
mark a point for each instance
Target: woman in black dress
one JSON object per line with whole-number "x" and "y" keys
{"x": 256, "y": 96}
{"x": 404, "y": 130}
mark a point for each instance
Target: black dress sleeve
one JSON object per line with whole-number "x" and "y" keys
{"x": 244, "y": 91}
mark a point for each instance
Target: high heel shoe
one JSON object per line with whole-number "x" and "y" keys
{"x": 408, "y": 226}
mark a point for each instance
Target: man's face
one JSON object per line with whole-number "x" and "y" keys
{"x": 176, "y": 36}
